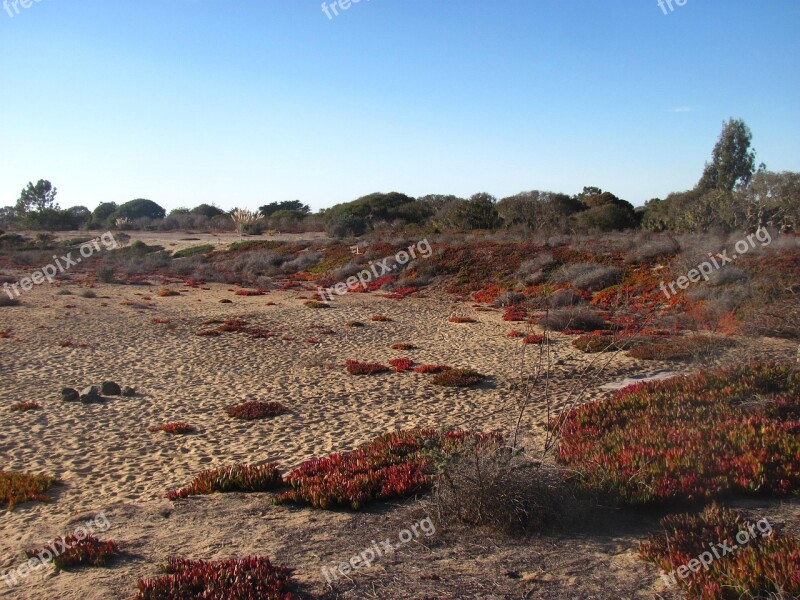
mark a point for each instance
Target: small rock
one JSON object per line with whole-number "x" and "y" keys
{"x": 109, "y": 388}
{"x": 70, "y": 395}
{"x": 90, "y": 391}
{"x": 128, "y": 392}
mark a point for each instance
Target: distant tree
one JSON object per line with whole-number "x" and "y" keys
{"x": 287, "y": 205}
{"x": 437, "y": 201}
{"x": 34, "y": 198}
{"x": 606, "y": 217}
{"x": 207, "y": 210}
{"x": 80, "y": 215}
{"x": 732, "y": 161}
{"x": 479, "y": 212}
{"x": 139, "y": 209}
{"x": 773, "y": 199}
{"x": 102, "y": 212}
{"x": 8, "y": 216}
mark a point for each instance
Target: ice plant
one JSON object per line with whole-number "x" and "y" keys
{"x": 431, "y": 369}
{"x": 78, "y": 551}
{"x": 250, "y": 411}
{"x": 358, "y": 368}
{"x": 458, "y": 378}
{"x": 401, "y": 365}
{"x": 16, "y": 488}
{"x": 174, "y": 428}
{"x": 234, "y": 478}
{"x": 25, "y": 406}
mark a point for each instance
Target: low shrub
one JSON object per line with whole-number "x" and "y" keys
{"x": 680, "y": 349}
{"x": 234, "y": 579}
{"x": 432, "y": 369}
{"x": 168, "y": 293}
{"x": 690, "y": 439}
{"x": 462, "y": 320}
{"x": 250, "y": 411}
{"x": 6, "y": 301}
{"x": 358, "y": 368}
{"x": 194, "y": 251}
{"x": 458, "y": 378}
{"x": 380, "y": 318}
{"x": 573, "y": 320}
{"x": 315, "y": 304}
{"x": 355, "y": 324}
{"x": 234, "y": 478}
{"x": 404, "y": 347}
{"x": 174, "y": 428}
{"x": 602, "y": 343}
{"x": 16, "y": 488}
{"x": 86, "y": 551}
{"x": 766, "y": 565}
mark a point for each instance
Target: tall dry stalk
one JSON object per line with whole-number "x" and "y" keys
{"x": 244, "y": 218}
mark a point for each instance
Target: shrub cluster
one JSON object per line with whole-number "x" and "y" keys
{"x": 401, "y": 365}
{"x": 358, "y": 368}
{"x": 458, "y": 378}
{"x": 79, "y": 552}
{"x": 250, "y": 411}
{"x": 16, "y": 488}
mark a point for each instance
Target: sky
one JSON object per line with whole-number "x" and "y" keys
{"x": 245, "y": 102}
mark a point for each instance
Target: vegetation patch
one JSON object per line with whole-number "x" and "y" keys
{"x": 394, "y": 465}
{"x": 358, "y": 368}
{"x": 234, "y": 579}
{"x": 679, "y": 349}
{"x": 25, "y": 406}
{"x": 234, "y": 478}
{"x": 432, "y": 369}
{"x": 462, "y": 320}
{"x": 401, "y": 365}
{"x": 250, "y": 411}
{"x": 764, "y": 565}
{"x": 16, "y": 488}
{"x": 458, "y": 378}
{"x": 86, "y": 551}
{"x": 317, "y": 304}
{"x": 194, "y": 251}
{"x": 174, "y": 428}
{"x": 691, "y": 439}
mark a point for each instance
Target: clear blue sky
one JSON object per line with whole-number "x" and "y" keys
{"x": 244, "y": 102}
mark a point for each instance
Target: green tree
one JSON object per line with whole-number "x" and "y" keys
{"x": 207, "y": 210}
{"x": 732, "y": 161}
{"x": 36, "y": 198}
{"x": 287, "y": 205}
{"x": 140, "y": 209}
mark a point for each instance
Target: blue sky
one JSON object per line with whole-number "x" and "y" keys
{"x": 241, "y": 103}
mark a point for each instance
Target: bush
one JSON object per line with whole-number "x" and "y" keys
{"x": 589, "y": 276}
{"x": 194, "y": 251}
{"x": 105, "y": 274}
{"x": 486, "y": 485}
{"x": 316, "y": 304}
{"x": 401, "y": 365}
{"x": 765, "y": 566}
{"x": 579, "y": 320}
{"x": 235, "y": 478}
{"x": 601, "y": 343}
{"x": 16, "y": 488}
{"x": 88, "y": 294}
{"x": 358, "y": 368}
{"x": 691, "y": 439}
{"x": 679, "y": 349}
{"x": 79, "y": 552}
{"x": 458, "y": 378}
{"x": 250, "y": 411}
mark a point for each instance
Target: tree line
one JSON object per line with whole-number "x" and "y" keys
{"x": 732, "y": 194}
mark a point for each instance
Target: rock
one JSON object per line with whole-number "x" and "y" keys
{"x": 90, "y": 395}
{"x": 70, "y": 395}
{"x": 109, "y": 388}
{"x": 128, "y": 392}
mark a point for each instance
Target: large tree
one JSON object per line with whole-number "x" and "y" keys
{"x": 732, "y": 161}
{"x": 36, "y": 198}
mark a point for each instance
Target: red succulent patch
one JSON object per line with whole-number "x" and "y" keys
{"x": 250, "y": 292}
{"x": 358, "y": 368}
{"x": 380, "y": 318}
{"x": 533, "y": 339}
{"x": 764, "y": 566}
{"x": 16, "y": 488}
{"x": 86, "y": 551}
{"x": 733, "y": 431}
{"x": 401, "y": 365}
{"x": 250, "y": 411}
{"x": 458, "y": 378}
{"x": 234, "y": 579}
{"x": 234, "y": 478}
{"x": 25, "y": 406}
{"x": 462, "y": 320}
{"x": 168, "y": 293}
{"x": 174, "y": 428}
{"x": 432, "y": 369}
{"x": 404, "y": 347}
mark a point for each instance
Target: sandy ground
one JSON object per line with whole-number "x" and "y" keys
{"x": 109, "y": 461}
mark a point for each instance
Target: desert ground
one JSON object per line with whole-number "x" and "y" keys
{"x": 109, "y": 461}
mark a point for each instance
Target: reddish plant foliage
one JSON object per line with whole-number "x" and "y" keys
{"x": 234, "y": 579}
{"x": 462, "y": 320}
{"x": 767, "y": 565}
{"x": 234, "y": 478}
{"x": 533, "y": 339}
{"x": 5, "y": 333}
{"x": 404, "y": 347}
{"x": 168, "y": 293}
{"x": 174, "y": 428}
{"x": 25, "y": 406}
{"x": 515, "y": 314}
{"x": 732, "y": 431}
{"x": 250, "y": 411}
{"x": 16, "y": 488}
{"x": 380, "y": 318}
{"x": 516, "y": 334}
{"x": 358, "y": 368}
{"x": 401, "y": 365}
{"x": 78, "y": 551}
{"x": 250, "y": 292}
{"x": 458, "y": 378}
{"x": 315, "y": 304}
{"x": 71, "y": 344}
{"x": 159, "y": 321}
{"x": 432, "y": 369}
{"x": 394, "y": 465}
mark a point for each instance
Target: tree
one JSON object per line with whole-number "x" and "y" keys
{"x": 287, "y": 205}
{"x": 732, "y": 161}
{"x": 207, "y": 210}
{"x": 37, "y": 197}
{"x": 139, "y": 209}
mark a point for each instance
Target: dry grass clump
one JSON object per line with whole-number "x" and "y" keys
{"x": 588, "y": 276}
{"x": 458, "y": 378}
{"x": 16, "y": 488}
{"x": 490, "y": 486}
{"x": 462, "y": 320}
{"x": 680, "y": 348}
